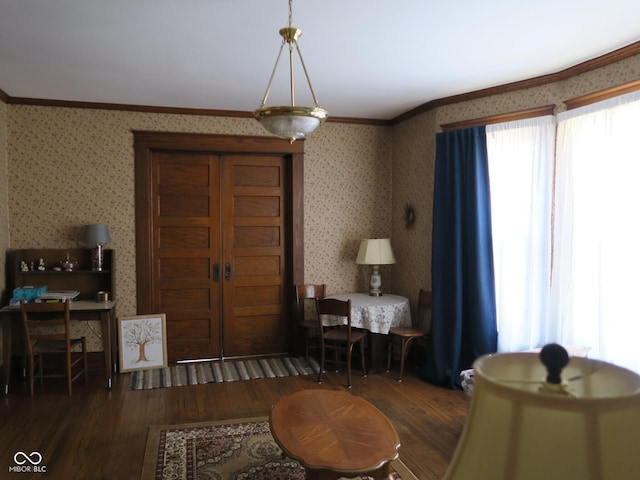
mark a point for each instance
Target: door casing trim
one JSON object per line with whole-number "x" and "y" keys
{"x": 145, "y": 142}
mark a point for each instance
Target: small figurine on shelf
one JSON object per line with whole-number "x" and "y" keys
{"x": 41, "y": 266}
{"x": 31, "y": 267}
{"x": 24, "y": 267}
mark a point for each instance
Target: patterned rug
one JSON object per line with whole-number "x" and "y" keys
{"x": 225, "y": 450}
{"x": 221, "y": 371}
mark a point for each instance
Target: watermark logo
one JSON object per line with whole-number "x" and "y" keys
{"x": 27, "y": 463}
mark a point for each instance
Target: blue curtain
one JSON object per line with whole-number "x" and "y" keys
{"x": 464, "y": 305}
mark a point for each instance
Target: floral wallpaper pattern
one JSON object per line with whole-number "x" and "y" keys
{"x": 67, "y": 167}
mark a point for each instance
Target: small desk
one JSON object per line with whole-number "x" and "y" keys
{"x": 376, "y": 314}
{"x": 87, "y": 310}
{"x": 334, "y": 434}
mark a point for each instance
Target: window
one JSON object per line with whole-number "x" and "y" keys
{"x": 521, "y": 178}
{"x": 569, "y": 271}
{"x": 596, "y": 264}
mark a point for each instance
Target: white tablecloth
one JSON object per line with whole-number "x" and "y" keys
{"x": 376, "y": 314}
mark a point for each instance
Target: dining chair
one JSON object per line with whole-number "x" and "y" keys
{"x": 339, "y": 338}
{"x": 308, "y": 323}
{"x": 47, "y": 328}
{"x": 421, "y": 328}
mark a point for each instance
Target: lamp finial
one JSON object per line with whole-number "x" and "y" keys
{"x": 555, "y": 358}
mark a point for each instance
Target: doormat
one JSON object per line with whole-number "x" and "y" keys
{"x": 220, "y": 371}
{"x": 240, "y": 449}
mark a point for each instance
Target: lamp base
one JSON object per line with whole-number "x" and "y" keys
{"x": 375, "y": 283}
{"x": 97, "y": 258}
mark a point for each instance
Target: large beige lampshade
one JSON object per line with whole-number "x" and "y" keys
{"x": 375, "y": 252}
{"x": 514, "y": 431}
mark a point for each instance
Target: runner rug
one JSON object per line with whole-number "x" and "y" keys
{"x": 225, "y": 450}
{"x": 221, "y": 371}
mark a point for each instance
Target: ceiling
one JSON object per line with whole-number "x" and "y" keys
{"x": 371, "y": 59}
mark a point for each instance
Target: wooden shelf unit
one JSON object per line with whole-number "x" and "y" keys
{"x": 86, "y": 281}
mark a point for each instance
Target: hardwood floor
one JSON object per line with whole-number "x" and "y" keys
{"x": 101, "y": 434}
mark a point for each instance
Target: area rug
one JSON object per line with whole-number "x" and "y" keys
{"x": 225, "y": 450}
{"x": 221, "y": 371}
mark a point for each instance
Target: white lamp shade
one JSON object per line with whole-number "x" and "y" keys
{"x": 515, "y": 432}
{"x": 97, "y": 234}
{"x": 375, "y": 251}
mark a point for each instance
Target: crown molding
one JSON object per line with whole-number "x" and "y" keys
{"x": 584, "y": 67}
{"x": 593, "y": 64}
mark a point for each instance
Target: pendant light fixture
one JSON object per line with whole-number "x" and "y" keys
{"x": 291, "y": 122}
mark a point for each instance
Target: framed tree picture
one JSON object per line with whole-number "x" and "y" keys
{"x": 142, "y": 340}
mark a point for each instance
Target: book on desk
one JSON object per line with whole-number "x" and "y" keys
{"x": 57, "y": 296}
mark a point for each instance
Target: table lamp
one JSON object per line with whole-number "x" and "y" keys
{"x": 375, "y": 252}
{"x": 580, "y": 422}
{"x": 97, "y": 235}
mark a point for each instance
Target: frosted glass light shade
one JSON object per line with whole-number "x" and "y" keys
{"x": 514, "y": 431}
{"x": 291, "y": 123}
{"x": 375, "y": 251}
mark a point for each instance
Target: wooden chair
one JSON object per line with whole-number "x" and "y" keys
{"x": 309, "y": 326}
{"x": 48, "y": 331}
{"x": 421, "y": 329}
{"x": 340, "y": 338}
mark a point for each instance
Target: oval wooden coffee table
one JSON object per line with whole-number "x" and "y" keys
{"x": 334, "y": 434}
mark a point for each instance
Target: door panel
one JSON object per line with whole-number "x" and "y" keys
{"x": 186, "y": 248}
{"x": 257, "y": 175}
{"x": 183, "y": 269}
{"x": 183, "y": 236}
{"x": 257, "y": 236}
{"x": 254, "y": 318}
{"x": 248, "y": 206}
{"x": 257, "y": 266}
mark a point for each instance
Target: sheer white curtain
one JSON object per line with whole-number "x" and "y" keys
{"x": 521, "y": 156}
{"x": 596, "y": 271}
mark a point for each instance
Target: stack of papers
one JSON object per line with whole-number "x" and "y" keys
{"x": 58, "y": 296}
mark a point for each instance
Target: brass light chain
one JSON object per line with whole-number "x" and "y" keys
{"x": 290, "y": 13}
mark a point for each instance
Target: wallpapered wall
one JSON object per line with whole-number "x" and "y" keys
{"x": 69, "y": 167}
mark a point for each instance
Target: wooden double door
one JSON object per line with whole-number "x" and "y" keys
{"x": 219, "y": 229}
